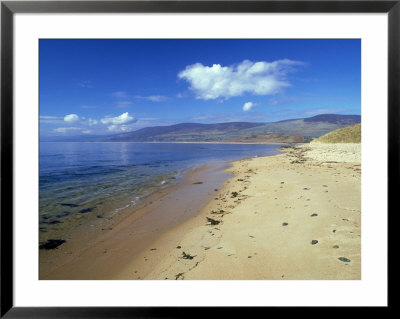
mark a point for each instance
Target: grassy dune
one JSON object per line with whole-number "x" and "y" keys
{"x": 350, "y": 134}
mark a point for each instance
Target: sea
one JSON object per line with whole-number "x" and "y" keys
{"x": 86, "y": 182}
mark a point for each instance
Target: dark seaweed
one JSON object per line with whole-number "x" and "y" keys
{"x": 86, "y": 210}
{"x": 52, "y": 244}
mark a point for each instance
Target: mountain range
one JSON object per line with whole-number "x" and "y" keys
{"x": 286, "y": 131}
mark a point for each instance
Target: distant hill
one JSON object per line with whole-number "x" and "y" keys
{"x": 302, "y": 130}
{"x": 350, "y": 134}
{"x": 182, "y": 132}
{"x": 335, "y": 119}
{"x": 295, "y": 130}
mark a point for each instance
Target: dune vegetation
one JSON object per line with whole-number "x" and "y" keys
{"x": 350, "y": 134}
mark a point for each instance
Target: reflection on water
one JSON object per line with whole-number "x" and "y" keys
{"x": 92, "y": 181}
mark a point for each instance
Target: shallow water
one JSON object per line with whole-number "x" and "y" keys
{"x": 82, "y": 182}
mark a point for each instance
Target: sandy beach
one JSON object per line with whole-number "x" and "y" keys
{"x": 292, "y": 216}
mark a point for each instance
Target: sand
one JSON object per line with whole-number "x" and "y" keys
{"x": 292, "y": 216}
{"x": 295, "y": 216}
{"x": 101, "y": 251}
{"x": 344, "y": 153}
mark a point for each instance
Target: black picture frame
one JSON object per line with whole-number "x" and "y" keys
{"x": 9, "y": 8}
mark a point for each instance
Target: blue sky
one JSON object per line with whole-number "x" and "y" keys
{"x": 112, "y": 86}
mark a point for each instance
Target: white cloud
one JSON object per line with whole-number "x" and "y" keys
{"x": 51, "y": 119}
{"x": 153, "y": 98}
{"x": 92, "y": 122}
{"x": 157, "y": 98}
{"x": 119, "y": 128}
{"x": 124, "y": 118}
{"x": 66, "y": 129}
{"x": 258, "y": 78}
{"x": 247, "y": 106}
{"x": 113, "y": 128}
{"x": 71, "y": 118}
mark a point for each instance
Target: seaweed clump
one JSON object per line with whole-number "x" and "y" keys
{"x": 52, "y": 244}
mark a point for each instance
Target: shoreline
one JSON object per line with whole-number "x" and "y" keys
{"x": 226, "y": 143}
{"x": 87, "y": 246}
{"x": 294, "y": 217}
{"x": 263, "y": 232}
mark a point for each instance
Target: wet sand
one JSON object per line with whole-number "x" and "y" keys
{"x": 101, "y": 252}
{"x": 294, "y": 216}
